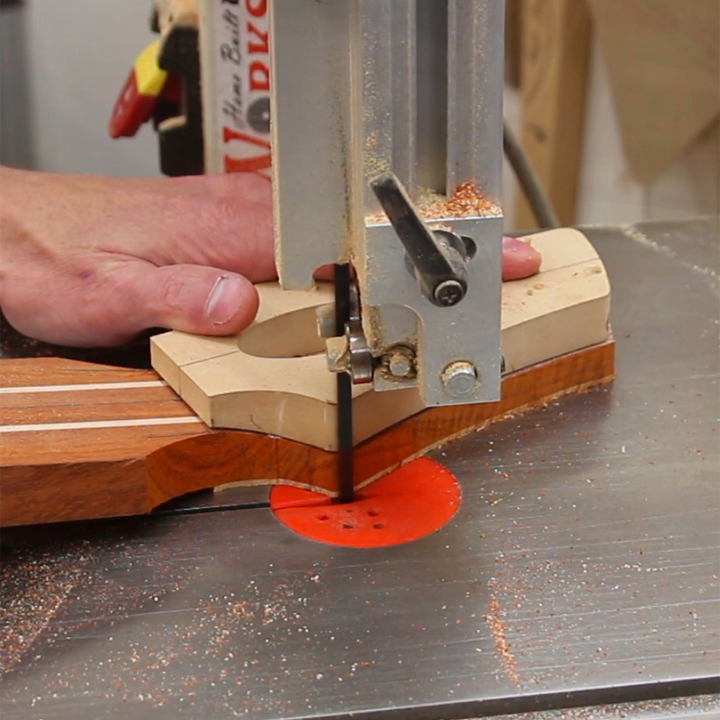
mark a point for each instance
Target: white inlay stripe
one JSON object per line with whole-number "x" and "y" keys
{"x": 90, "y": 386}
{"x": 101, "y": 424}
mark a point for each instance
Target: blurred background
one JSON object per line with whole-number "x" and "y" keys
{"x": 616, "y": 103}
{"x": 62, "y": 66}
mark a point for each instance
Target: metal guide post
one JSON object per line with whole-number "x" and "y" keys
{"x": 360, "y": 88}
{"x": 317, "y": 201}
{"x": 475, "y": 61}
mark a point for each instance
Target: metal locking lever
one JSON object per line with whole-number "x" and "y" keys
{"x": 438, "y": 257}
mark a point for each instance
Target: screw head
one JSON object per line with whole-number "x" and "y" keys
{"x": 449, "y": 293}
{"x": 400, "y": 365}
{"x": 400, "y": 361}
{"x": 460, "y": 378}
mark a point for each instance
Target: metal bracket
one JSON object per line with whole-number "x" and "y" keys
{"x": 364, "y": 87}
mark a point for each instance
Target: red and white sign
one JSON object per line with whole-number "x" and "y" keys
{"x": 235, "y": 68}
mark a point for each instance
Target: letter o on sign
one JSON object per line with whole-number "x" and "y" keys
{"x": 258, "y": 115}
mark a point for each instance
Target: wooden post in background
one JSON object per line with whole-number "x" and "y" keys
{"x": 513, "y": 42}
{"x": 556, "y": 36}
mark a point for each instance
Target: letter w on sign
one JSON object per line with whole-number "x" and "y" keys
{"x": 245, "y": 162}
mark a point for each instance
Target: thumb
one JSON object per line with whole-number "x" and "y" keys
{"x": 192, "y": 298}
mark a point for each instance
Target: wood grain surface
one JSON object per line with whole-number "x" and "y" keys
{"x": 80, "y": 441}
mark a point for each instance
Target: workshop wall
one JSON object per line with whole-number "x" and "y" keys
{"x": 81, "y": 53}
{"x": 608, "y": 193}
{"x": 15, "y": 141}
{"x": 650, "y": 147}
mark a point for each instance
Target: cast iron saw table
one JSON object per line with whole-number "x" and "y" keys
{"x": 581, "y": 570}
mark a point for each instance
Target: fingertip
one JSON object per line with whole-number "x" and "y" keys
{"x": 325, "y": 272}
{"x": 519, "y": 259}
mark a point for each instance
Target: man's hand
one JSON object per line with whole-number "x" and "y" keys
{"x": 92, "y": 261}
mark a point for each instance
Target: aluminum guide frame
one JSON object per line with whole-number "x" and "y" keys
{"x": 358, "y": 85}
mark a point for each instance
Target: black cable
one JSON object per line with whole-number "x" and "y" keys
{"x": 529, "y": 181}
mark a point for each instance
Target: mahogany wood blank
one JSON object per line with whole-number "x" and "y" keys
{"x": 81, "y": 441}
